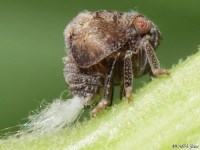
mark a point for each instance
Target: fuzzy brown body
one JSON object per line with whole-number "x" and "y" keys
{"x": 108, "y": 48}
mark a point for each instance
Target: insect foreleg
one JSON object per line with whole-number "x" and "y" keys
{"x": 152, "y": 59}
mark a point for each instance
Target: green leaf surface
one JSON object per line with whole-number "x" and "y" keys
{"x": 162, "y": 113}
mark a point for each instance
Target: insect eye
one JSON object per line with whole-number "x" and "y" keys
{"x": 142, "y": 25}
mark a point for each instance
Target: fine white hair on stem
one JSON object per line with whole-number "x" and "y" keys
{"x": 56, "y": 115}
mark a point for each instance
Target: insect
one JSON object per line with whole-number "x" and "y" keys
{"x": 107, "y": 49}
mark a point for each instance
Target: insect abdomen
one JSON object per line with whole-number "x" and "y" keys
{"x": 82, "y": 83}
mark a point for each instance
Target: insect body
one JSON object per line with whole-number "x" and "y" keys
{"x": 107, "y": 49}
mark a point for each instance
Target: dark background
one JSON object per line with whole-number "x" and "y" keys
{"x": 32, "y": 45}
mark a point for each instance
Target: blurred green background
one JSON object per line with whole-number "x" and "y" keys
{"x": 32, "y": 45}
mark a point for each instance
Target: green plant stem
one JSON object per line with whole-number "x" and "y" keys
{"x": 162, "y": 113}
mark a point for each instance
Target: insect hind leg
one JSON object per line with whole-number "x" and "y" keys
{"x": 108, "y": 92}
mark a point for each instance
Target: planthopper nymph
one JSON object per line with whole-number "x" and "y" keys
{"x": 107, "y": 49}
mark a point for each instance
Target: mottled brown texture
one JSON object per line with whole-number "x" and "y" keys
{"x": 92, "y": 36}
{"x": 108, "y": 48}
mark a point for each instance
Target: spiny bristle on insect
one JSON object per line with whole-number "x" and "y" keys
{"x": 55, "y": 116}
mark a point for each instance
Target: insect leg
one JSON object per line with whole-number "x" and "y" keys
{"x": 153, "y": 60}
{"x": 108, "y": 92}
{"x": 128, "y": 75}
{"x": 122, "y": 92}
